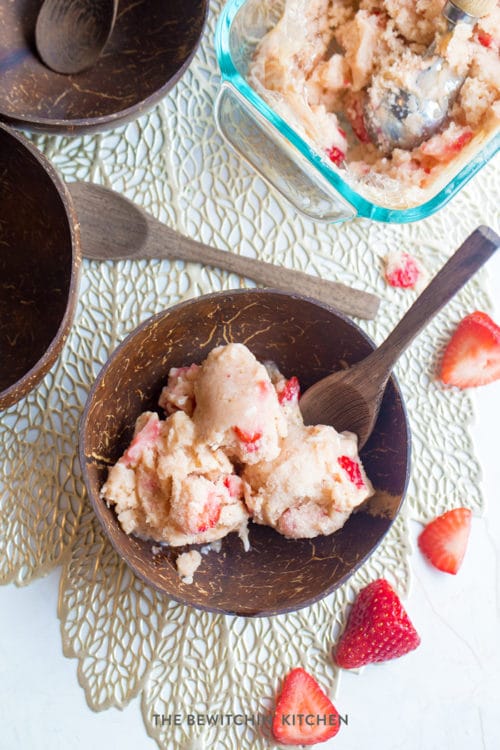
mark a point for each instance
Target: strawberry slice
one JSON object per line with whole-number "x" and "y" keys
{"x": 250, "y": 440}
{"x": 355, "y": 115}
{"x": 472, "y": 357}
{"x": 304, "y": 714}
{"x": 335, "y": 155}
{"x": 444, "y": 540}
{"x": 145, "y": 439}
{"x": 209, "y": 516}
{"x": 288, "y": 390}
{"x": 401, "y": 270}
{"x": 484, "y": 38}
{"x": 377, "y": 629}
{"x": 353, "y": 470}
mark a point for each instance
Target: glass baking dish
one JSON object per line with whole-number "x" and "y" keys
{"x": 282, "y": 155}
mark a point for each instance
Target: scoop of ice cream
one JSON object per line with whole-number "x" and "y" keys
{"x": 237, "y": 408}
{"x": 170, "y": 488}
{"x": 313, "y": 485}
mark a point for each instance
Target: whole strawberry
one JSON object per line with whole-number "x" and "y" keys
{"x": 377, "y": 629}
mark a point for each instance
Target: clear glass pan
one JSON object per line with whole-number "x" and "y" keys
{"x": 279, "y": 153}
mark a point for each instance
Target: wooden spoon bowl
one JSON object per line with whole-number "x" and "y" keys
{"x": 71, "y": 34}
{"x": 304, "y": 338}
{"x": 152, "y": 44}
{"x": 350, "y": 399}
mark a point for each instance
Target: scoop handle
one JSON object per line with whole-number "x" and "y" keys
{"x": 462, "y": 265}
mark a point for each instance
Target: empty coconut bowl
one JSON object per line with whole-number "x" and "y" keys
{"x": 304, "y": 338}
{"x": 152, "y": 44}
{"x": 39, "y": 266}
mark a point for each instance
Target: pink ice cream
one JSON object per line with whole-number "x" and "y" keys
{"x": 237, "y": 408}
{"x": 233, "y": 446}
{"x": 312, "y": 487}
{"x": 170, "y": 488}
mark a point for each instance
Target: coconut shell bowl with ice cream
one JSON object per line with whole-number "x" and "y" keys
{"x": 303, "y": 338}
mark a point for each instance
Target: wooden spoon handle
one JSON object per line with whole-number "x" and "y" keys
{"x": 346, "y": 299}
{"x": 462, "y": 265}
{"x": 113, "y": 227}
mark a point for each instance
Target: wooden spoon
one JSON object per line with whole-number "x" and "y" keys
{"x": 350, "y": 399}
{"x": 71, "y": 34}
{"x": 114, "y": 228}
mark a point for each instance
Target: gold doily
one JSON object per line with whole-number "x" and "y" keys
{"x": 127, "y": 638}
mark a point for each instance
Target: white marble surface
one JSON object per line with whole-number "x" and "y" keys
{"x": 444, "y": 695}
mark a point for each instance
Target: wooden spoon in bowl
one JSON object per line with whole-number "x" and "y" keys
{"x": 71, "y": 34}
{"x": 350, "y": 399}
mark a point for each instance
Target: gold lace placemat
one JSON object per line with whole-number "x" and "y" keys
{"x": 127, "y": 638}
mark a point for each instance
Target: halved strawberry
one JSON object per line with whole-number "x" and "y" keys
{"x": 444, "y": 540}
{"x": 472, "y": 356}
{"x": 304, "y": 714}
{"x": 377, "y": 629}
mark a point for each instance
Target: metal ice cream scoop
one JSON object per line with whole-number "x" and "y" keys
{"x": 403, "y": 113}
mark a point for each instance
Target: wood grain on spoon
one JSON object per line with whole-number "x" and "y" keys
{"x": 350, "y": 399}
{"x": 114, "y": 228}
